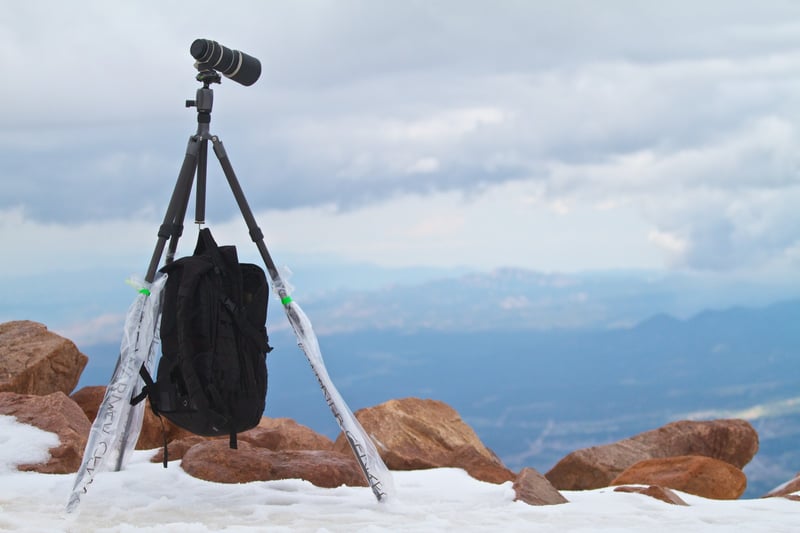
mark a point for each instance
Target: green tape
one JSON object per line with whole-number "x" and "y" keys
{"x": 136, "y": 285}
{"x": 286, "y": 300}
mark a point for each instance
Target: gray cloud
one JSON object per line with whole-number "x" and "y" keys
{"x": 687, "y": 110}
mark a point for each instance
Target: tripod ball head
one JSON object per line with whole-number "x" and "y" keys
{"x": 236, "y": 65}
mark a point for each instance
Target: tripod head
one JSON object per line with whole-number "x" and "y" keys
{"x": 204, "y": 98}
{"x": 208, "y": 76}
{"x": 213, "y": 59}
{"x": 203, "y": 101}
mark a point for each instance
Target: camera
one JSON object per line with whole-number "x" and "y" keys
{"x": 233, "y": 64}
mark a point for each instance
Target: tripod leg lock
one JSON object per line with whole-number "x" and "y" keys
{"x": 165, "y": 231}
{"x": 256, "y": 234}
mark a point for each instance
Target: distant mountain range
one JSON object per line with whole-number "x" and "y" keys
{"x": 535, "y": 396}
{"x": 517, "y": 299}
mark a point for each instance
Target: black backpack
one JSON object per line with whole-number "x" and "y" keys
{"x": 212, "y": 376}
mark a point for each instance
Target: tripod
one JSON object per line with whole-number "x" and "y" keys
{"x": 118, "y": 421}
{"x": 195, "y": 163}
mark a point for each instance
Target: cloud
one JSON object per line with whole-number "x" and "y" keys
{"x": 515, "y": 302}
{"x": 437, "y": 226}
{"x": 425, "y": 165}
{"x": 678, "y": 115}
{"x": 35, "y": 247}
{"x": 441, "y": 127}
{"x": 674, "y": 246}
{"x": 718, "y": 205}
{"x": 100, "y": 329}
{"x": 668, "y": 241}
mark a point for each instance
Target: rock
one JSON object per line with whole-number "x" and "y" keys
{"x": 415, "y": 434}
{"x": 733, "y": 441}
{"x": 791, "y": 486}
{"x": 695, "y": 474}
{"x": 89, "y": 400}
{"x": 177, "y": 448}
{"x": 36, "y": 361}
{"x": 533, "y": 488}
{"x": 213, "y": 460}
{"x": 151, "y": 435}
{"x": 281, "y": 434}
{"x": 654, "y": 491}
{"x": 154, "y": 430}
{"x": 57, "y": 414}
{"x": 276, "y": 434}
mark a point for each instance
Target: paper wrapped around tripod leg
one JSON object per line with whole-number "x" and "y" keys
{"x": 116, "y": 428}
{"x": 375, "y": 471}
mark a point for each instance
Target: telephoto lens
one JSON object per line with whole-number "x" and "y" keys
{"x": 234, "y": 64}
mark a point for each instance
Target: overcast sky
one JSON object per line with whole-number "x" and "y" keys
{"x": 558, "y": 136}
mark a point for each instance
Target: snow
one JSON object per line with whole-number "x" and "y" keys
{"x": 147, "y": 497}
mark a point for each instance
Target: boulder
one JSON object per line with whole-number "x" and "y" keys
{"x": 654, "y": 491}
{"x": 533, "y": 488}
{"x": 89, "y": 399}
{"x": 788, "y": 488}
{"x": 213, "y": 460}
{"x": 177, "y": 448}
{"x": 415, "y": 434}
{"x": 695, "y": 474}
{"x": 282, "y": 434}
{"x": 154, "y": 430}
{"x": 34, "y": 360}
{"x": 276, "y": 434}
{"x": 57, "y": 414}
{"x": 732, "y": 441}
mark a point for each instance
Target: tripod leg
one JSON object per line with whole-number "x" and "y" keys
{"x": 200, "y": 193}
{"x": 200, "y": 189}
{"x": 373, "y": 467}
{"x": 172, "y": 226}
{"x": 255, "y": 232}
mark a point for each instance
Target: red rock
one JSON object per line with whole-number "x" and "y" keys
{"x": 177, "y": 448}
{"x": 415, "y": 434}
{"x": 732, "y": 441}
{"x": 57, "y": 414}
{"x": 153, "y": 429}
{"x": 276, "y": 434}
{"x": 36, "y": 361}
{"x": 695, "y": 474}
{"x": 89, "y": 400}
{"x": 654, "y": 491}
{"x": 281, "y": 434}
{"x": 213, "y": 460}
{"x": 533, "y": 488}
{"x": 791, "y": 486}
